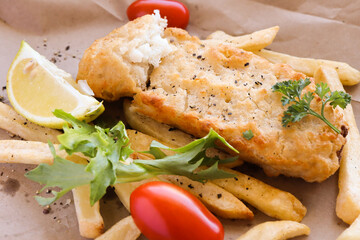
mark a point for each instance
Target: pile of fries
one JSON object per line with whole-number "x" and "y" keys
{"x": 269, "y": 200}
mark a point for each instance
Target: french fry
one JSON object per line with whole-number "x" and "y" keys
{"x": 164, "y": 133}
{"x": 27, "y": 152}
{"x": 16, "y": 124}
{"x": 276, "y": 230}
{"x": 216, "y": 199}
{"x": 271, "y": 201}
{"x": 250, "y": 42}
{"x": 124, "y": 190}
{"x": 348, "y": 199}
{"x": 91, "y": 223}
{"x": 353, "y": 232}
{"x": 32, "y": 152}
{"x": 125, "y": 229}
{"x": 348, "y": 75}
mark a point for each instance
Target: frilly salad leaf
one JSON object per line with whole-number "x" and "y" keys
{"x": 109, "y": 160}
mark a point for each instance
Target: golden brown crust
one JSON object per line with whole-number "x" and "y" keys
{"x": 199, "y": 86}
{"x": 229, "y": 90}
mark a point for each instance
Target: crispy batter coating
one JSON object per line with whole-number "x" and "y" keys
{"x": 200, "y": 85}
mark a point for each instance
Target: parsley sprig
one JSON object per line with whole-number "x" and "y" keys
{"x": 109, "y": 153}
{"x": 292, "y": 91}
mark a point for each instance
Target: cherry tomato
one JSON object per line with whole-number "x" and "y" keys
{"x": 163, "y": 211}
{"x": 176, "y": 12}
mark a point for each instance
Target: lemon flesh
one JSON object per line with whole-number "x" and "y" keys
{"x": 36, "y": 87}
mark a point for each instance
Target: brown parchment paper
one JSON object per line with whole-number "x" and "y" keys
{"x": 62, "y": 30}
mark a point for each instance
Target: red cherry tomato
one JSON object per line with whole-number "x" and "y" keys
{"x": 163, "y": 211}
{"x": 176, "y": 12}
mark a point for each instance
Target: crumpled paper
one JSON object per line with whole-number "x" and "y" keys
{"x": 62, "y": 30}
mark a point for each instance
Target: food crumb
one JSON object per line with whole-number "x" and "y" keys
{"x": 68, "y": 201}
{"x": 219, "y": 195}
{"x": 67, "y": 48}
{"x": 47, "y": 210}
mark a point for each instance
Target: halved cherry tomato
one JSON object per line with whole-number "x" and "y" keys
{"x": 163, "y": 211}
{"x": 176, "y": 12}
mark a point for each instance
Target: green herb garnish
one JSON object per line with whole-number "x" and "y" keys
{"x": 109, "y": 151}
{"x": 292, "y": 90}
{"x": 248, "y": 134}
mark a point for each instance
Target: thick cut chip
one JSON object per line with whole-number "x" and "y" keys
{"x": 16, "y": 124}
{"x": 91, "y": 223}
{"x": 169, "y": 136}
{"x": 36, "y": 87}
{"x": 270, "y": 200}
{"x": 27, "y": 152}
{"x": 125, "y": 229}
{"x": 251, "y": 42}
{"x": 277, "y": 230}
{"x": 217, "y": 200}
{"x": 348, "y": 199}
{"x": 353, "y": 232}
{"x": 348, "y": 75}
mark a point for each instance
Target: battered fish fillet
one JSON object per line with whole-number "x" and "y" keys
{"x": 197, "y": 85}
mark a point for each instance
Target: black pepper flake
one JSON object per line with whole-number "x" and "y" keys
{"x": 246, "y": 64}
{"x": 4, "y": 88}
{"x": 229, "y": 113}
{"x": 252, "y": 75}
{"x": 53, "y": 60}
{"x": 202, "y": 45}
{"x": 172, "y": 129}
{"x": 25, "y": 123}
{"x": 219, "y": 195}
{"x": 248, "y": 178}
{"x": 194, "y": 77}
{"x": 190, "y": 186}
{"x": 46, "y": 211}
{"x": 202, "y": 59}
{"x": 45, "y": 45}
{"x": 54, "y": 217}
{"x": 192, "y": 107}
{"x": 236, "y": 178}
{"x": 1, "y": 174}
{"x": 262, "y": 76}
{"x": 194, "y": 54}
{"x": 247, "y": 188}
{"x": 67, "y": 48}
{"x": 48, "y": 191}
{"x": 199, "y": 57}
{"x": 136, "y": 132}
{"x": 181, "y": 183}
{"x": 214, "y": 104}
{"x": 236, "y": 81}
{"x": 200, "y": 195}
{"x": 26, "y": 169}
{"x": 73, "y": 56}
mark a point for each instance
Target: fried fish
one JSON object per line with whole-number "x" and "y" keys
{"x": 196, "y": 85}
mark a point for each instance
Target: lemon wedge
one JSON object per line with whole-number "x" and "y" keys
{"x": 36, "y": 87}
